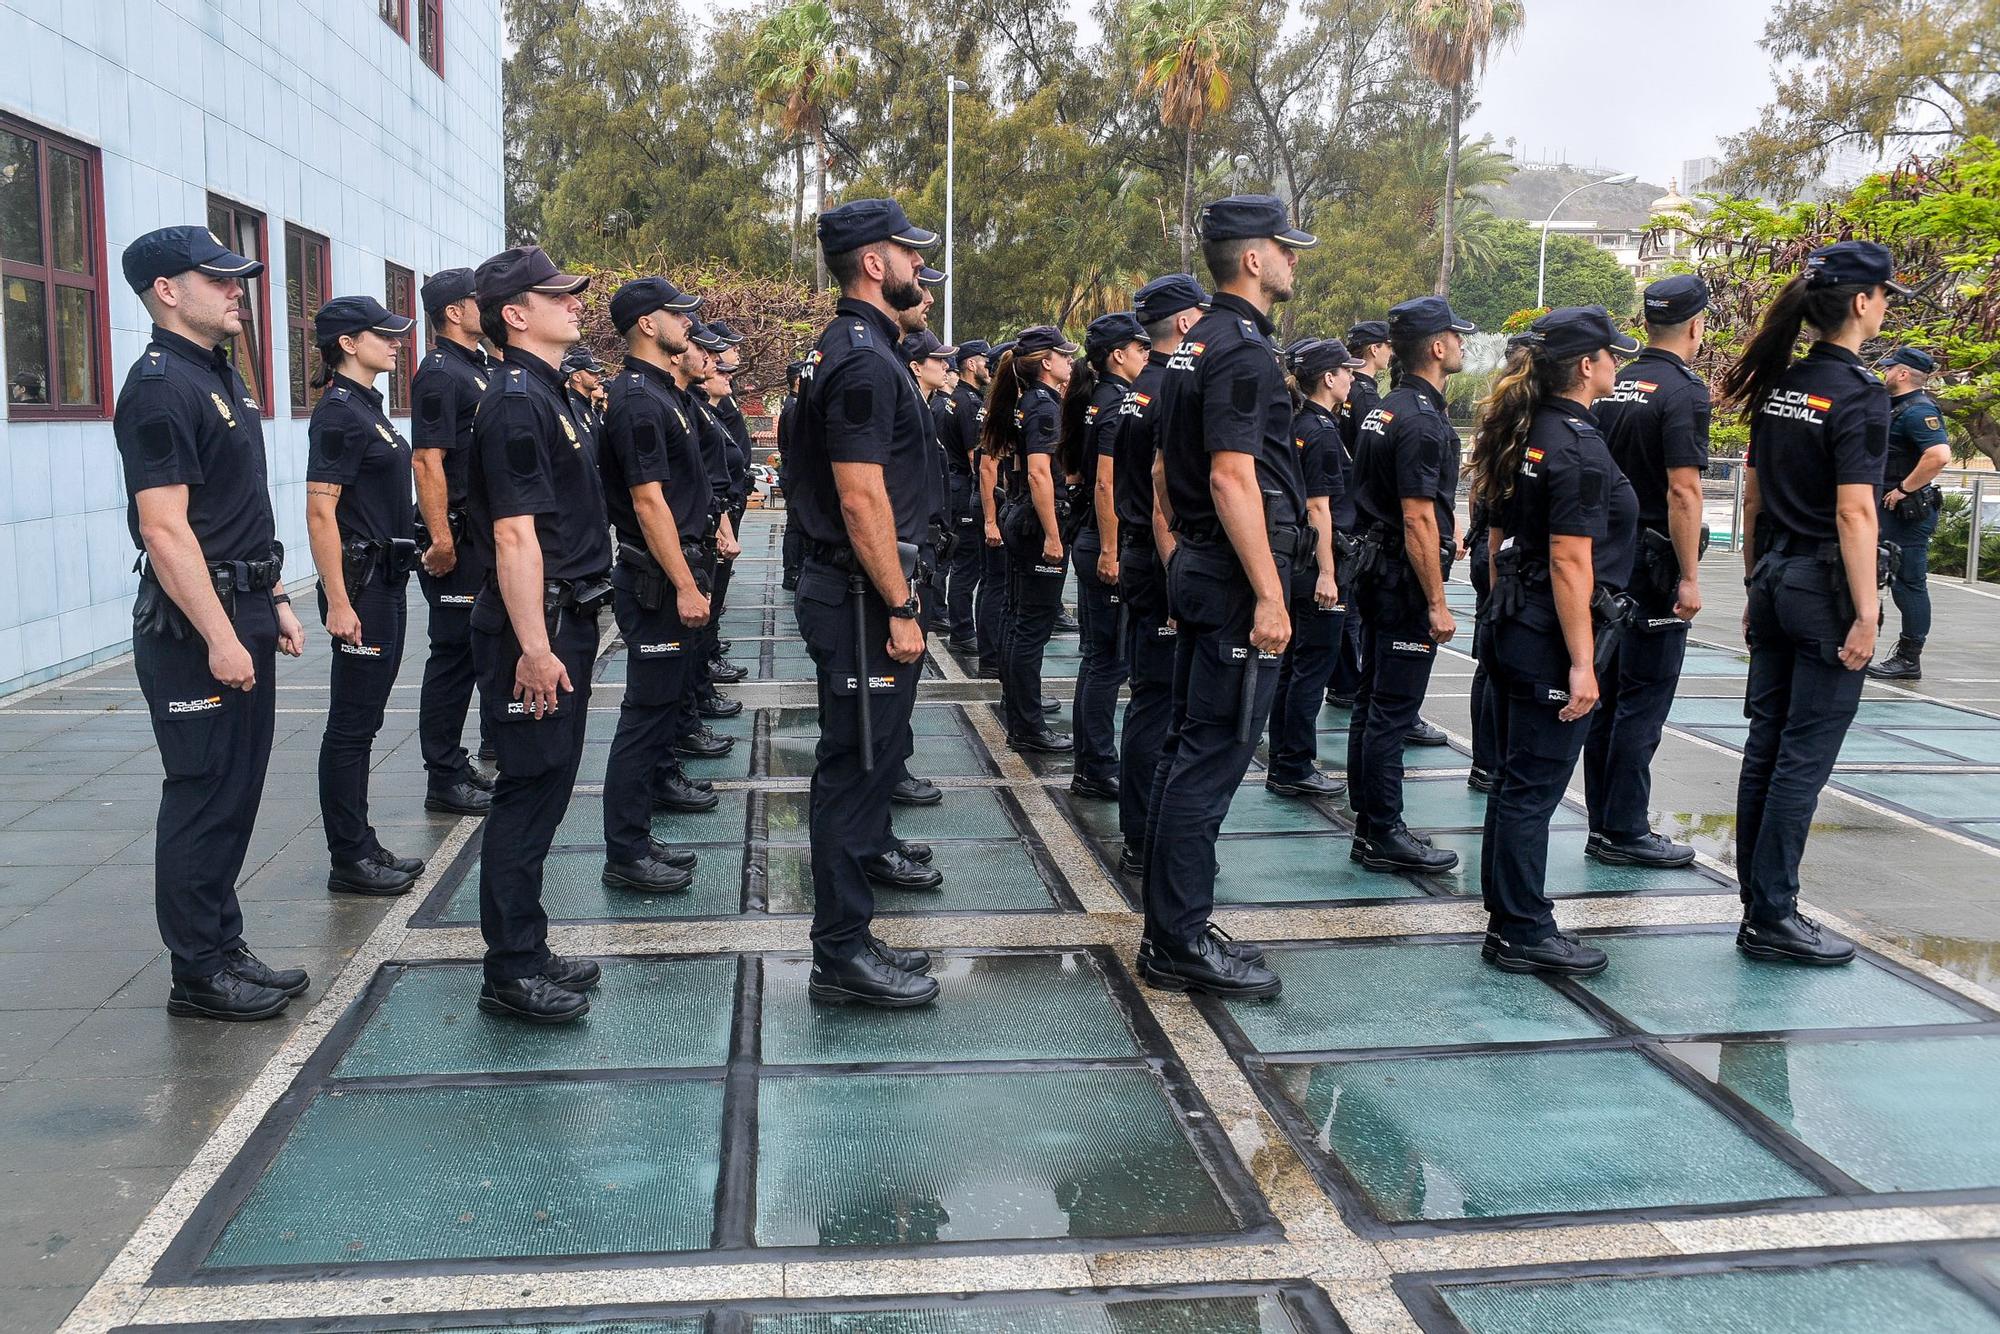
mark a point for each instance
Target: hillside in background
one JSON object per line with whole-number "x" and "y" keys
{"x": 1534, "y": 190}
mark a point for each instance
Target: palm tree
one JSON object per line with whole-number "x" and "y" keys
{"x": 800, "y": 69}
{"x": 1184, "y": 50}
{"x": 1450, "y": 41}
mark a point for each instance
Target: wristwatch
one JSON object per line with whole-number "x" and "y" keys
{"x": 907, "y": 610}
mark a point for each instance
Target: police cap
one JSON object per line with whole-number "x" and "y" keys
{"x": 1168, "y": 296}
{"x": 1323, "y": 355}
{"x": 1914, "y": 357}
{"x": 1423, "y": 316}
{"x": 861, "y": 222}
{"x": 1676, "y": 300}
{"x": 1259, "y": 216}
{"x": 704, "y": 337}
{"x": 1572, "y": 331}
{"x": 726, "y": 333}
{"x": 524, "y": 269}
{"x": 175, "y": 250}
{"x": 1853, "y": 263}
{"x": 358, "y": 314}
{"x": 581, "y": 358}
{"x": 1107, "y": 332}
{"x": 1042, "y": 338}
{"x": 446, "y": 286}
{"x": 643, "y": 296}
{"x": 1368, "y": 332}
{"x": 974, "y": 347}
{"x": 923, "y": 345}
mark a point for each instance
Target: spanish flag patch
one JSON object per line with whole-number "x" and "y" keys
{"x": 1818, "y": 404}
{"x": 1534, "y": 454}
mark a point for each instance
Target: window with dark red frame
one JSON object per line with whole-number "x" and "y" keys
{"x": 430, "y": 34}
{"x": 52, "y": 293}
{"x": 308, "y": 274}
{"x": 242, "y": 230}
{"x": 396, "y": 13}
{"x": 401, "y": 287}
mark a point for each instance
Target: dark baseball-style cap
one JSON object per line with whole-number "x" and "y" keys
{"x": 1368, "y": 332}
{"x": 1855, "y": 263}
{"x": 1571, "y": 331}
{"x": 1168, "y": 296}
{"x": 175, "y": 250}
{"x": 724, "y": 332}
{"x": 1914, "y": 357}
{"x": 1422, "y": 316}
{"x": 922, "y": 345}
{"x": 974, "y": 347}
{"x": 643, "y": 296}
{"x": 861, "y": 222}
{"x": 358, "y": 314}
{"x": 581, "y": 358}
{"x": 1676, "y": 300}
{"x": 524, "y": 269}
{"x": 704, "y": 337}
{"x": 1259, "y": 216}
{"x": 929, "y": 276}
{"x": 1112, "y": 331}
{"x": 1042, "y": 338}
{"x": 446, "y": 286}
{"x": 1327, "y": 354}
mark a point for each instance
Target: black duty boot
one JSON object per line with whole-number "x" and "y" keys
{"x": 1314, "y": 784}
{"x": 648, "y": 875}
{"x": 1905, "y": 664}
{"x": 291, "y": 981}
{"x": 1234, "y": 948}
{"x": 228, "y": 996}
{"x": 1649, "y": 849}
{"x": 478, "y": 777}
{"x": 1338, "y": 700}
{"x": 368, "y": 876}
{"x": 1423, "y": 733}
{"x": 1205, "y": 964}
{"x": 1045, "y": 742}
{"x": 1560, "y": 953}
{"x": 578, "y": 975}
{"x": 464, "y": 797}
{"x": 910, "y": 961}
{"x": 1397, "y": 849}
{"x": 725, "y": 671}
{"x": 1481, "y": 780}
{"x": 895, "y": 871}
{"x": 704, "y": 744}
{"x": 712, "y": 705}
{"x": 916, "y": 792}
{"x": 679, "y": 794}
{"x": 916, "y": 852}
{"x": 533, "y": 1000}
{"x": 1132, "y": 862}
{"x": 867, "y": 979}
{"x": 407, "y": 865}
{"x": 1050, "y": 704}
{"x": 1065, "y": 624}
{"x": 1100, "y": 789}
{"x": 681, "y": 859}
{"x": 1794, "y": 939}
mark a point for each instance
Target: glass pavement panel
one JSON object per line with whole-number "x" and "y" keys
{"x": 1976, "y": 746}
{"x": 573, "y": 889}
{"x": 497, "y": 1171}
{"x": 1447, "y": 803}
{"x": 978, "y": 877}
{"x": 1299, "y": 868}
{"x": 648, "y": 1014}
{"x": 1569, "y": 871}
{"x": 990, "y": 1007}
{"x": 583, "y": 824}
{"x": 925, "y": 720}
{"x": 964, "y": 813}
{"x": 1947, "y": 797}
{"x": 1182, "y": 1315}
{"x": 930, "y": 757}
{"x": 1529, "y": 1132}
{"x": 911, "y": 1159}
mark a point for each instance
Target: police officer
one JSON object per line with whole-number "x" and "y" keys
{"x": 793, "y": 552}
{"x": 1236, "y": 501}
{"x": 1918, "y": 451}
{"x": 1166, "y": 308}
{"x": 721, "y": 393}
{"x": 1819, "y": 428}
{"x": 1562, "y": 537}
{"x": 989, "y": 605}
{"x": 656, "y": 492}
{"x": 704, "y": 347}
{"x": 211, "y": 614}
{"x": 445, "y": 390}
{"x": 1323, "y": 370}
{"x": 1116, "y": 349}
{"x": 1368, "y": 340}
{"x": 583, "y": 375}
{"x": 859, "y": 448}
{"x": 1656, "y": 423}
{"x": 960, "y": 414}
{"x": 538, "y": 507}
{"x": 359, "y": 518}
{"x": 930, "y": 364}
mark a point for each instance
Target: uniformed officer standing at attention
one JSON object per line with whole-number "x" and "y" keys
{"x": 1656, "y": 423}
{"x": 1819, "y": 428}
{"x": 964, "y": 413}
{"x": 719, "y": 449}
{"x": 1368, "y": 340}
{"x": 793, "y": 551}
{"x": 989, "y": 603}
{"x": 1236, "y": 501}
{"x": 1562, "y": 541}
{"x": 1167, "y": 308}
{"x": 1406, "y": 482}
{"x": 1918, "y": 452}
{"x": 584, "y": 375}
{"x": 536, "y": 498}
{"x": 656, "y": 490}
{"x": 211, "y": 615}
{"x": 359, "y": 518}
{"x": 446, "y": 389}
{"x": 859, "y": 448}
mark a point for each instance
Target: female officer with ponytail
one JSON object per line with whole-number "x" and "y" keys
{"x": 1818, "y": 429}
{"x": 1563, "y": 525}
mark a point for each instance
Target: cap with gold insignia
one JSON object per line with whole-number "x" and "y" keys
{"x": 175, "y": 250}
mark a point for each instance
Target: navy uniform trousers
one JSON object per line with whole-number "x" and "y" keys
{"x": 1034, "y": 598}
{"x": 657, "y": 709}
{"x": 1397, "y": 655}
{"x": 967, "y": 561}
{"x": 1149, "y": 711}
{"x": 1911, "y": 587}
{"x": 215, "y": 746}
{"x": 1635, "y": 694}
{"x": 357, "y": 693}
{"x": 1317, "y": 637}
{"x": 448, "y": 672}
{"x": 989, "y": 606}
{"x": 1101, "y": 670}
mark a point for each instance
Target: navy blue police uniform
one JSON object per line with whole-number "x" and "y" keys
{"x": 989, "y": 601}
{"x": 1034, "y": 582}
{"x": 960, "y": 416}
{"x": 936, "y": 547}
{"x": 1099, "y": 606}
{"x": 1916, "y": 425}
{"x": 1362, "y": 399}
{"x": 792, "y": 553}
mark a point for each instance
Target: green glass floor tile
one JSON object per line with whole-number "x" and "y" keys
{"x": 584, "y": 821}
{"x": 978, "y": 877}
{"x": 1495, "y": 1135}
{"x": 930, "y": 757}
{"x": 499, "y": 1171}
{"x": 1978, "y": 745}
{"x": 1569, "y": 872}
{"x": 1447, "y": 803}
{"x": 596, "y": 754}
{"x": 1689, "y": 711}
{"x": 1914, "y": 713}
{"x": 995, "y": 1007}
{"x": 1404, "y": 995}
{"x": 1714, "y": 662}
{"x": 1863, "y": 1297}
{"x": 573, "y": 889}
{"x": 1861, "y": 747}
{"x": 912, "y": 1159}
{"x": 653, "y": 1014}
{"x": 733, "y": 766}
{"x": 1299, "y": 868}
{"x": 1254, "y": 811}
{"x": 1700, "y": 984}
{"x": 690, "y": 1326}
{"x": 1195, "y": 1315}
{"x": 925, "y": 720}
{"x": 964, "y": 813}
{"x": 1894, "y": 1114}
{"x": 1099, "y": 819}
{"x": 1938, "y": 796}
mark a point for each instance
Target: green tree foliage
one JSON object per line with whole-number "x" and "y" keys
{"x": 1450, "y": 41}
{"x": 1185, "y": 51}
{"x": 1579, "y": 275}
{"x": 797, "y": 65}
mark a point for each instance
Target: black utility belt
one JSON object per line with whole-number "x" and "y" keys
{"x": 1288, "y": 541}
{"x": 1917, "y": 506}
{"x": 1135, "y": 537}
{"x": 916, "y": 569}
{"x": 585, "y": 596}
{"x": 232, "y": 576}
{"x": 361, "y": 559}
{"x": 455, "y": 520}
{"x": 1783, "y": 542}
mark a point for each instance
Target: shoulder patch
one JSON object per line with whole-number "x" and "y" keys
{"x": 1243, "y": 393}
{"x": 516, "y": 382}
{"x": 1933, "y": 423}
{"x": 155, "y": 366}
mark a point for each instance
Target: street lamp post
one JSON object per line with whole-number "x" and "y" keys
{"x": 1542, "y": 265}
{"x": 952, "y": 86}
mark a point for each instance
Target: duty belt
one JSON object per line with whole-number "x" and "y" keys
{"x": 232, "y": 576}
{"x": 1786, "y": 543}
{"x": 582, "y": 595}
{"x": 1287, "y": 540}
{"x": 1136, "y": 536}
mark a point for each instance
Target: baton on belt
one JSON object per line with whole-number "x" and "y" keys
{"x": 856, "y": 587}
{"x": 1246, "y": 703}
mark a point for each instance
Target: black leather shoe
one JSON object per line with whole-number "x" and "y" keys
{"x": 722, "y": 647}
{"x": 649, "y": 875}
{"x": 1234, "y": 948}
{"x": 910, "y": 961}
{"x": 1422, "y": 733}
{"x": 1481, "y": 780}
{"x": 461, "y": 798}
{"x": 1207, "y": 965}
{"x": 1905, "y": 664}
{"x": 228, "y": 996}
{"x": 681, "y": 859}
{"x": 478, "y": 777}
{"x": 1560, "y": 953}
{"x": 1131, "y": 862}
{"x": 1102, "y": 789}
{"x": 407, "y": 865}
{"x": 534, "y": 1000}
{"x": 1066, "y": 624}
{"x": 725, "y": 671}
{"x": 1397, "y": 849}
{"x": 1338, "y": 700}
{"x": 1050, "y": 704}
{"x": 1047, "y": 743}
{"x": 713, "y": 705}
{"x": 1649, "y": 849}
{"x": 1315, "y": 784}
{"x": 916, "y": 852}
{"x": 1795, "y": 939}
{"x": 895, "y": 871}
{"x": 867, "y": 980}
{"x": 916, "y": 792}
{"x": 678, "y": 794}
{"x": 578, "y": 975}
{"x": 291, "y": 981}
{"x": 368, "y": 876}
{"x": 704, "y": 744}
{"x": 962, "y": 645}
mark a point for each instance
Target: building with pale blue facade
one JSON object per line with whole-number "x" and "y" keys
{"x": 354, "y": 145}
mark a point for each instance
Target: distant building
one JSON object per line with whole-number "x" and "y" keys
{"x": 1700, "y": 174}
{"x": 1621, "y": 243}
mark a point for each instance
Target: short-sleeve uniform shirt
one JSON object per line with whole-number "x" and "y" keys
{"x": 444, "y": 396}
{"x": 1316, "y": 435}
{"x": 1103, "y": 423}
{"x": 1824, "y": 425}
{"x": 1915, "y": 425}
{"x": 352, "y": 444}
{"x": 1656, "y": 418}
{"x": 649, "y": 437}
{"x": 1132, "y": 478}
{"x": 858, "y": 404}
{"x": 1037, "y": 423}
{"x": 1569, "y": 486}
{"x": 1224, "y": 389}
{"x": 1407, "y": 451}
{"x": 529, "y": 458}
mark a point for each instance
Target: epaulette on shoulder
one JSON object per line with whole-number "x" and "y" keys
{"x": 154, "y": 365}
{"x": 1867, "y": 376}
{"x": 517, "y": 383}
{"x": 339, "y": 393}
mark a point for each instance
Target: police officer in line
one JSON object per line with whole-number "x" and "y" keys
{"x": 211, "y": 615}
{"x": 793, "y": 552}
{"x": 704, "y": 346}
{"x": 930, "y": 364}
{"x": 1166, "y": 308}
{"x": 715, "y": 392}
{"x": 1115, "y": 349}
{"x": 538, "y": 507}
{"x": 859, "y": 447}
{"x": 1406, "y": 478}
{"x": 1656, "y": 423}
{"x": 1563, "y": 525}
{"x": 584, "y": 376}
{"x": 989, "y": 603}
{"x": 1918, "y": 451}
{"x": 656, "y": 490}
{"x": 360, "y": 521}
{"x": 445, "y": 390}
{"x": 1819, "y": 429}
{"x": 1323, "y": 370}
{"x": 960, "y": 416}
{"x": 1369, "y": 341}
{"x": 1236, "y": 501}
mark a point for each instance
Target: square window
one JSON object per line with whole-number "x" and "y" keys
{"x": 52, "y": 293}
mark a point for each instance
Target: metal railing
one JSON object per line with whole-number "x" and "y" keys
{"x": 1976, "y": 483}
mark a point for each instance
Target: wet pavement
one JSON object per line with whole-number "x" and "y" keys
{"x": 1404, "y": 1141}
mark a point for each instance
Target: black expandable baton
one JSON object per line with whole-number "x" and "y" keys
{"x": 1246, "y": 703}
{"x": 856, "y": 587}
{"x": 1124, "y": 630}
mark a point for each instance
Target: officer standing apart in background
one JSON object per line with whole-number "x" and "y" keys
{"x": 1236, "y": 500}
{"x": 1368, "y": 340}
{"x": 536, "y": 498}
{"x": 211, "y": 613}
{"x": 1918, "y": 452}
{"x": 1656, "y": 423}
{"x": 446, "y": 390}
{"x": 860, "y": 450}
